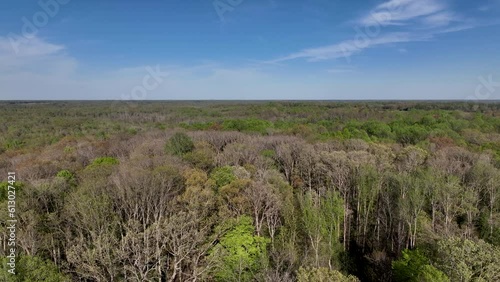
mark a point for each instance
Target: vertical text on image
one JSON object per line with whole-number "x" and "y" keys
{"x": 11, "y": 222}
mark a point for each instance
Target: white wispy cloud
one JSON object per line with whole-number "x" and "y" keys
{"x": 34, "y": 55}
{"x": 440, "y": 19}
{"x": 401, "y": 12}
{"x": 348, "y": 48}
{"x": 489, "y": 6}
{"x": 13, "y": 46}
{"x": 396, "y": 21}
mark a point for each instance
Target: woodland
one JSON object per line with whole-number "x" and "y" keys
{"x": 252, "y": 191}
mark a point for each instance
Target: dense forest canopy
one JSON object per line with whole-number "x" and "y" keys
{"x": 252, "y": 191}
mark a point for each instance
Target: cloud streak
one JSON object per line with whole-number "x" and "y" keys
{"x": 405, "y": 21}
{"x": 34, "y": 55}
{"x": 401, "y": 12}
{"x": 350, "y": 47}
{"x": 26, "y": 47}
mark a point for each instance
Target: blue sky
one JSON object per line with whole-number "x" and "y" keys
{"x": 249, "y": 49}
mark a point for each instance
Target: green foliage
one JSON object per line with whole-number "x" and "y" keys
{"x": 323, "y": 274}
{"x": 466, "y": 260}
{"x": 100, "y": 167}
{"x": 132, "y": 131}
{"x": 247, "y": 125}
{"x": 488, "y": 231}
{"x": 432, "y": 274}
{"x": 66, "y": 175}
{"x": 298, "y": 185}
{"x": 32, "y": 269}
{"x": 409, "y": 133}
{"x": 333, "y": 212}
{"x": 104, "y": 161}
{"x": 179, "y": 144}
{"x": 4, "y": 187}
{"x": 354, "y": 130}
{"x": 321, "y": 219}
{"x": 101, "y": 135}
{"x": 202, "y": 157}
{"x": 413, "y": 266}
{"x": 14, "y": 144}
{"x": 268, "y": 153}
{"x": 240, "y": 254}
{"x": 377, "y": 129}
{"x": 223, "y": 176}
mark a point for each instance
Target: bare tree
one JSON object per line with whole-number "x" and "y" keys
{"x": 265, "y": 204}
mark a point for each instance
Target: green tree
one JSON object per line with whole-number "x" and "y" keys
{"x": 66, "y": 174}
{"x": 323, "y": 274}
{"x": 409, "y": 134}
{"x": 179, "y": 144}
{"x": 249, "y": 125}
{"x": 466, "y": 260}
{"x": 223, "y": 176}
{"x": 333, "y": 213}
{"x": 202, "y": 157}
{"x": 378, "y": 129}
{"x": 32, "y": 269}
{"x": 104, "y": 161}
{"x": 68, "y": 177}
{"x": 241, "y": 254}
{"x": 100, "y": 167}
{"x": 368, "y": 186}
{"x": 321, "y": 220}
{"x": 313, "y": 224}
{"x": 413, "y": 266}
